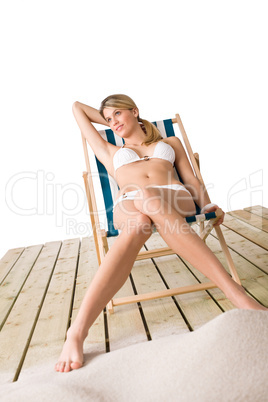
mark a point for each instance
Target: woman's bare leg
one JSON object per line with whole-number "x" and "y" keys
{"x": 118, "y": 262}
{"x": 110, "y": 277}
{"x": 184, "y": 241}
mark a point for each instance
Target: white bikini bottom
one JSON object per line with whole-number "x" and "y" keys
{"x": 130, "y": 195}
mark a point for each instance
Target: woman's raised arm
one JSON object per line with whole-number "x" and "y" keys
{"x": 93, "y": 114}
{"x": 86, "y": 115}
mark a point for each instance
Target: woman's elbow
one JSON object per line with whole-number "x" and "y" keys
{"x": 75, "y": 106}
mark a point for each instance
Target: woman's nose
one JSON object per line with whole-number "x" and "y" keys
{"x": 114, "y": 121}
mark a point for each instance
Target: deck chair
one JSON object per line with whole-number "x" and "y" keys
{"x": 101, "y": 190}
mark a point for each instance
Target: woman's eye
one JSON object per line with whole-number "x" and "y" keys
{"x": 117, "y": 113}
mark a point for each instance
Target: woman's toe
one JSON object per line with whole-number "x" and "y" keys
{"x": 67, "y": 367}
{"x": 58, "y": 366}
{"x": 61, "y": 367}
{"x": 75, "y": 365}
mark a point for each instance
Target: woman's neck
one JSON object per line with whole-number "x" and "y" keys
{"x": 137, "y": 138}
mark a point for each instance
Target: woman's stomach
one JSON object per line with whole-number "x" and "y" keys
{"x": 141, "y": 174}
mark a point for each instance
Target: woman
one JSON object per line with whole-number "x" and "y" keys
{"x": 149, "y": 195}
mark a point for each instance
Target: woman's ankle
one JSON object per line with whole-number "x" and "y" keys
{"x": 77, "y": 332}
{"x": 242, "y": 300}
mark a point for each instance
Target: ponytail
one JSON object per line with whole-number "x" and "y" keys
{"x": 151, "y": 131}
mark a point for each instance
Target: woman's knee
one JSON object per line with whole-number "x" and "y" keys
{"x": 139, "y": 225}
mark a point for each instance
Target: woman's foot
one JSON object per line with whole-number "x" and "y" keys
{"x": 242, "y": 300}
{"x": 71, "y": 357}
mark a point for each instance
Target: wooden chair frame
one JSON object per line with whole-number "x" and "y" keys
{"x": 100, "y": 235}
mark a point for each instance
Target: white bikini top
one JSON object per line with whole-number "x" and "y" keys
{"x": 124, "y": 156}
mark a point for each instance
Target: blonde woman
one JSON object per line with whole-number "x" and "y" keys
{"x": 149, "y": 195}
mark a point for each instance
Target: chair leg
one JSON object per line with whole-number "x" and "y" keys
{"x": 110, "y": 307}
{"x": 104, "y": 241}
{"x": 227, "y": 254}
{"x": 204, "y": 234}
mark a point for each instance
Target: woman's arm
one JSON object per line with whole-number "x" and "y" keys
{"x": 86, "y": 115}
{"x": 93, "y": 114}
{"x": 190, "y": 181}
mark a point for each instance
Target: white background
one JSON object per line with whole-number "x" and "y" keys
{"x": 206, "y": 60}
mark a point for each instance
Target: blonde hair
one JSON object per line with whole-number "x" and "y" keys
{"x": 125, "y": 102}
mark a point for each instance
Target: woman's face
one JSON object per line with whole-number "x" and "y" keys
{"x": 121, "y": 121}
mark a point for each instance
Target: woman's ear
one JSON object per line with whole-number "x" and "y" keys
{"x": 135, "y": 111}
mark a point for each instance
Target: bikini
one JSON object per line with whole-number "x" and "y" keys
{"x": 125, "y": 156}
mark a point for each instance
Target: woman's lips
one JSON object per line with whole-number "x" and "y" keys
{"x": 119, "y": 127}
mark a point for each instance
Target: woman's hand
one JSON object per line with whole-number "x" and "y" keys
{"x": 212, "y": 208}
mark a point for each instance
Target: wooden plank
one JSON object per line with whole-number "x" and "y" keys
{"x": 253, "y": 280}
{"x": 251, "y": 219}
{"x": 125, "y": 326}
{"x": 162, "y": 316}
{"x": 16, "y": 333}
{"x": 8, "y": 261}
{"x": 251, "y": 233}
{"x": 14, "y": 281}
{"x": 250, "y": 251}
{"x": 50, "y": 331}
{"x": 197, "y": 307}
{"x": 258, "y": 210}
{"x": 87, "y": 267}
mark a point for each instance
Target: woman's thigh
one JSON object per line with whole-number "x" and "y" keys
{"x": 181, "y": 201}
{"x": 127, "y": 217}
{"x": 165, "y": 201}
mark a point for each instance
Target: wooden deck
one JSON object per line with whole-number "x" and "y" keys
{"x": 42, "y": 287}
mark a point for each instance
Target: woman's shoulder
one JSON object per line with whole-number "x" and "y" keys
{"x": 173, "y": 141}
